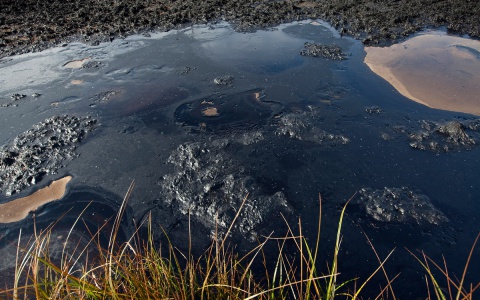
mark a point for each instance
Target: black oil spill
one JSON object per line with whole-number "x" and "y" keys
{"x": 241, "y": 112}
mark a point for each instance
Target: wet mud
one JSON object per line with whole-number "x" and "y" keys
{"x": 210, "y": 184}
{"x": 224, "y": 80}
{"x": 442, "y": 137}
{"x": 298, "y": 125}
{"x": 326, "y": 51}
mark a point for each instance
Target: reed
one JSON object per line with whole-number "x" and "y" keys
{"x": 139, "y": 269}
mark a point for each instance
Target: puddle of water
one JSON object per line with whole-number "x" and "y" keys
{"x": 264, "y": 53}
{"x": 434, "y": 69}
{"x": 48, "y": 67}
{"x": 128, "y": 99}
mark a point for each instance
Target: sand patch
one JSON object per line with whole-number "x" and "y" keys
{"x": 18, "y": 209}
{"x": 76, "y": 82}
{"x": 76, "y": 64}
{"x": 434, "y": 69}
{"x": 210, "y": 112}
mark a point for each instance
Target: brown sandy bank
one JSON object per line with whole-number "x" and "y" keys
{"x": 18, "y": 209}
{"x": 437, "y": 70}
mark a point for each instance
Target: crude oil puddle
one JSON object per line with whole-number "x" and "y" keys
{"x": 204, "y": 116}
{"x": 243, "y": 111}
{"x": 434, "y": 69}
{"x": 226, "y": 47}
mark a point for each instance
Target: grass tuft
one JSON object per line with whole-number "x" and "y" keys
{"x": 139, "y": 269}
{"x": 456, "y": 288}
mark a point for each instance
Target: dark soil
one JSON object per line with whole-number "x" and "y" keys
{"x": 31, "y": 25}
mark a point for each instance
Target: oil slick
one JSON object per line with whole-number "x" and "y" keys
{"x": 19, "y": 209}
{"x": 433, "y": 69}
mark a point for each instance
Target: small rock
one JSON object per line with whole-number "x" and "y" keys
{"x": 373, "y": 110}
{"x": 332, "y": 52}
{"x": 92, "y": 64}
{"x": 185, "y": 71}
{"x": 224, "y": 80}
{"x": 16, "y": 97}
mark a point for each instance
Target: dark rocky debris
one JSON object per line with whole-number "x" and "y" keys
{"x": 209, "y": 184}
{"x": 31, "y": 25}
{"x": 373, "y": 110}
{"x": 446, "y": 137}
{"x": 16, "y": 97}
{"x": 333, "y": 52}
{"x": 298, "y": 125}
{"x": 400, "y": 205}
{"x": 224, "y": 80}
{"x": 103, "y": 97}
{"x": 91, "y": 64}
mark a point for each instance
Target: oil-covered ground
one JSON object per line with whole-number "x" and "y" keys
{"x": 202, "y": 116}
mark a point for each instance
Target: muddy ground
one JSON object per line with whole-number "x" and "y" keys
{"x": 30, "y": 25}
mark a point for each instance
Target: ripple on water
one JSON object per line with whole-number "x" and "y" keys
{"x": 226, "y": 113}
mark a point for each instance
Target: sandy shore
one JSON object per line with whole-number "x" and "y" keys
{"x": 436, "y": 70}
{"x": 19, "y": 209}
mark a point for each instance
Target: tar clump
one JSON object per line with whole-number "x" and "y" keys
{"x": 40, "y": 151}
{"x": 299, "y": 126}
{"x": 445, "y": 137}
{"x": 400, "y": 205}
{"x": 333, "y": 52}
{"x": 208, "y": 184}
{"x": 223, "y": 80}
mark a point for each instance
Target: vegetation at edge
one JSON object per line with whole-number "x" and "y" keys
{"x": 137, "y": 269}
